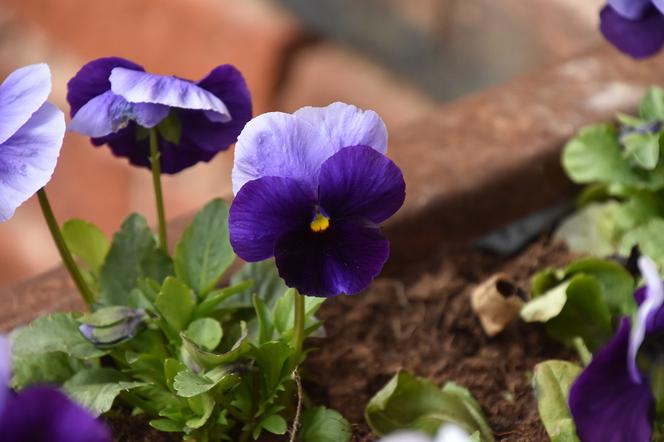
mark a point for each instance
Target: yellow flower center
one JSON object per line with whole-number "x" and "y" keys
{"x": 320, "y": 223}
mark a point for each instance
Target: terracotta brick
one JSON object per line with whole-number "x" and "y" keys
{"x": 323, "y": 73}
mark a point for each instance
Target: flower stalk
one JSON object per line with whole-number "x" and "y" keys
{"x": 156, "y": 182}
{"x": 61, "y": 245}
{"x": 298, "y": 325}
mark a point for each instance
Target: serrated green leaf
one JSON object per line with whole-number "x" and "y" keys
{"x": 652, "y": 105}
{"x": 650, "y": 239}
{"x": 86, "y": 241}
{"x": 166, "y": 425}
{"x": 409, "y": 402}
{"x": 188, "y": 384}
{"x": 271, "y": 359}
{"x": 643, "y": 149}
{"x": 176, "y": 303}
{"x": 97, "y": 388}
{"x": 268, "y": 285}
{"x": 208, "y": 359}
{"x": 553, "y": 380}
{"x": 202, "y": 405}
{"x": 215, "y": 298}
{"x": 205, "y": 332}
{"x": 320, "y": 424}
{"x": 592, "y": 229}
{"x": 57, "y": 332}
{"x": 133, "y": 255}
{"x": 204, "y": 252}
{"x": 43, "y": 368}
{"x": 264, "y": 318}
{"x": 274, "y": 424}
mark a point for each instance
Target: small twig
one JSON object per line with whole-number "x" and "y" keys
{"x": 298, "y": 410}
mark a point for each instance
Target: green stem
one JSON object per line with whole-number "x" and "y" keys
{"x": 65, "y": 254}
{"x": 156, "y": 182}
{"x": 298, "y": 326}
{"x": 584, "y": 354}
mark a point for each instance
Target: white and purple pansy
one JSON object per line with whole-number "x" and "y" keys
{"x": 635, "y": 27}
{"x": 42, "y": 414}
{"x": 311, "y": 189}
{"x": 446, "y": 433}
{"x": 612, "y": 399}
{"x": 114, "y": 101}
{"x": 31, "y": 133}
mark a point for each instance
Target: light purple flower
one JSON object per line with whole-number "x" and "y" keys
{"x": 446, "y": 433}
{"x": 31, "y": 133}
{"x": 311, "y": 189}
{"x": 612, "y": 398}
{"x": 42, "y": 414}
{"x": 635, "y": 27}
{"x": 114, "y": 101}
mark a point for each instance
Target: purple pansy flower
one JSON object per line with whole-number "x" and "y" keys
{"x": 612, "y": 399}
{"x": 114, "y": 101}
{"x": 311, "y": 189}
{"x": 42, "y": 414}
{"x": 636, "y": 27}
{"x": 31, "y": 133}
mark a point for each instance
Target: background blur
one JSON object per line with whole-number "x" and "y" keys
{"x": 401, "y": 58}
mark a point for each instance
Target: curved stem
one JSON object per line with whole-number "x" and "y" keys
{"x": 156, "y": 182}
{"x": 298, "y": 326}
{"x": 65, "y": 254}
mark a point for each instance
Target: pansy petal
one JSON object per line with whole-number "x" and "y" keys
{"x": 638, "y": 38}
{"x": 659, "y": 4}
{"x": 605, "y": 404}
{"x": 631, "y": 9}
{"x": 346, "y": 125}
{"x": 108, "y": 113}
{"x": 5, "y": 369}
{"x": 93, "y": 79}
{"x": 143, "y": 87}
{"x": 654, "y": 298}
{"x": 227, "y": 83}
{"x": 406, "y": 436}
{"x": 360, "y": 182}
{"x": 263, "y": 211}
{"x": 279, "y": 144}
{"x": 28, "y": 158}
{"x": 343, "y": 259}
{"x": 21, "y": 94}
{"x": 43, "y": 414}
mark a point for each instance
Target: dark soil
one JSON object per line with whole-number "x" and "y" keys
{"x": 421, "y": 320}
{"x": 428, "y": 327}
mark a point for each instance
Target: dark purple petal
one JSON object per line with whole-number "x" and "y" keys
{"x": 144, "y": 87}
{"x": 5, "y": 369}
{"x": 343, "y": 259}
{"x": 360, "y": 182}
{"x": 638, "y": 38}
{"x": 42, "y": 414}
{"x": 21, "y": 94}
{"x": 631, "y": 9}
{"x": 605, "y": 404}
{"x": 227, "y": 83}
{"x": 28, "y": 158}
{"x": 93, "y": 79}
{"x": 263, "y": 211}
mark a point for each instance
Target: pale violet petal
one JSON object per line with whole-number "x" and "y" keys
{"x": 406, "y": 436}
{"x": 452, "y": 433}
{"x": 143, "y": 87}
{"x": 108, "y": 113}
{"x": 631, "y": 9}
{"x": 5, "y": 368}
{"x": 28, "y": 158}
{"x": 281, "y": 145}
{"x": 653, "y": 300}
{"x": 346, "y": 125}
{"x": 659, "y": 4}
{"x": 21, "y": 94}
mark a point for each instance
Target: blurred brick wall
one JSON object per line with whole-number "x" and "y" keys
{"x": 286, "y": 67}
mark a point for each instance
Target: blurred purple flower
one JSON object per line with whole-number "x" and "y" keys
{"x": 612, "y": 399}
{"x": 31, "y": 133}
{"x": 635, "y": 27}
{"x": 114, "y": 101}
{"x": 42, "y": 414}
{"x": 311, "y": 189}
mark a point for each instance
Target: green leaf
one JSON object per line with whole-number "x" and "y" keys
{"x": 57, "y": 332}
{"x": 166, "y": 425}
{"x": 275, "y": 424}
{"x": 271, "y": 358}
{"x": 652, "y": 105}
{"x": 553, "y": 380}
{"x": 43, "y": 368}
{"x": 133, "y": 255}
{"x": 86, "y": 241}
{"x": 203, "y": 406}
{"x": 205, "y": 332}
{"x": 208, "y": 359}
{"x": 188, "y": 384}
{"x": 204, "y": 252}
{"x": 628, "y": 120}
{"x": 650, "y": 239}
{"x": 320, "y": 424}
{"x": 546, "y": 306}
{"x": 592, "y": 229}
{"x": 176, "y": 303}
{"x": 264, "y": 318}
{"x": 215, "y": 298}
{"x": 284, "y": 311}
{"x": 170, "y": 128}
{"x": 643, "y": 149}
{"x": 107, "y": 316}
{"x": 268, "y": 285}
{"x": 97, "y": 388}
{"x": 409, "y": 402}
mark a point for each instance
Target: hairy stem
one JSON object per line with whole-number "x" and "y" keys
{"x": 298, "y": 410}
